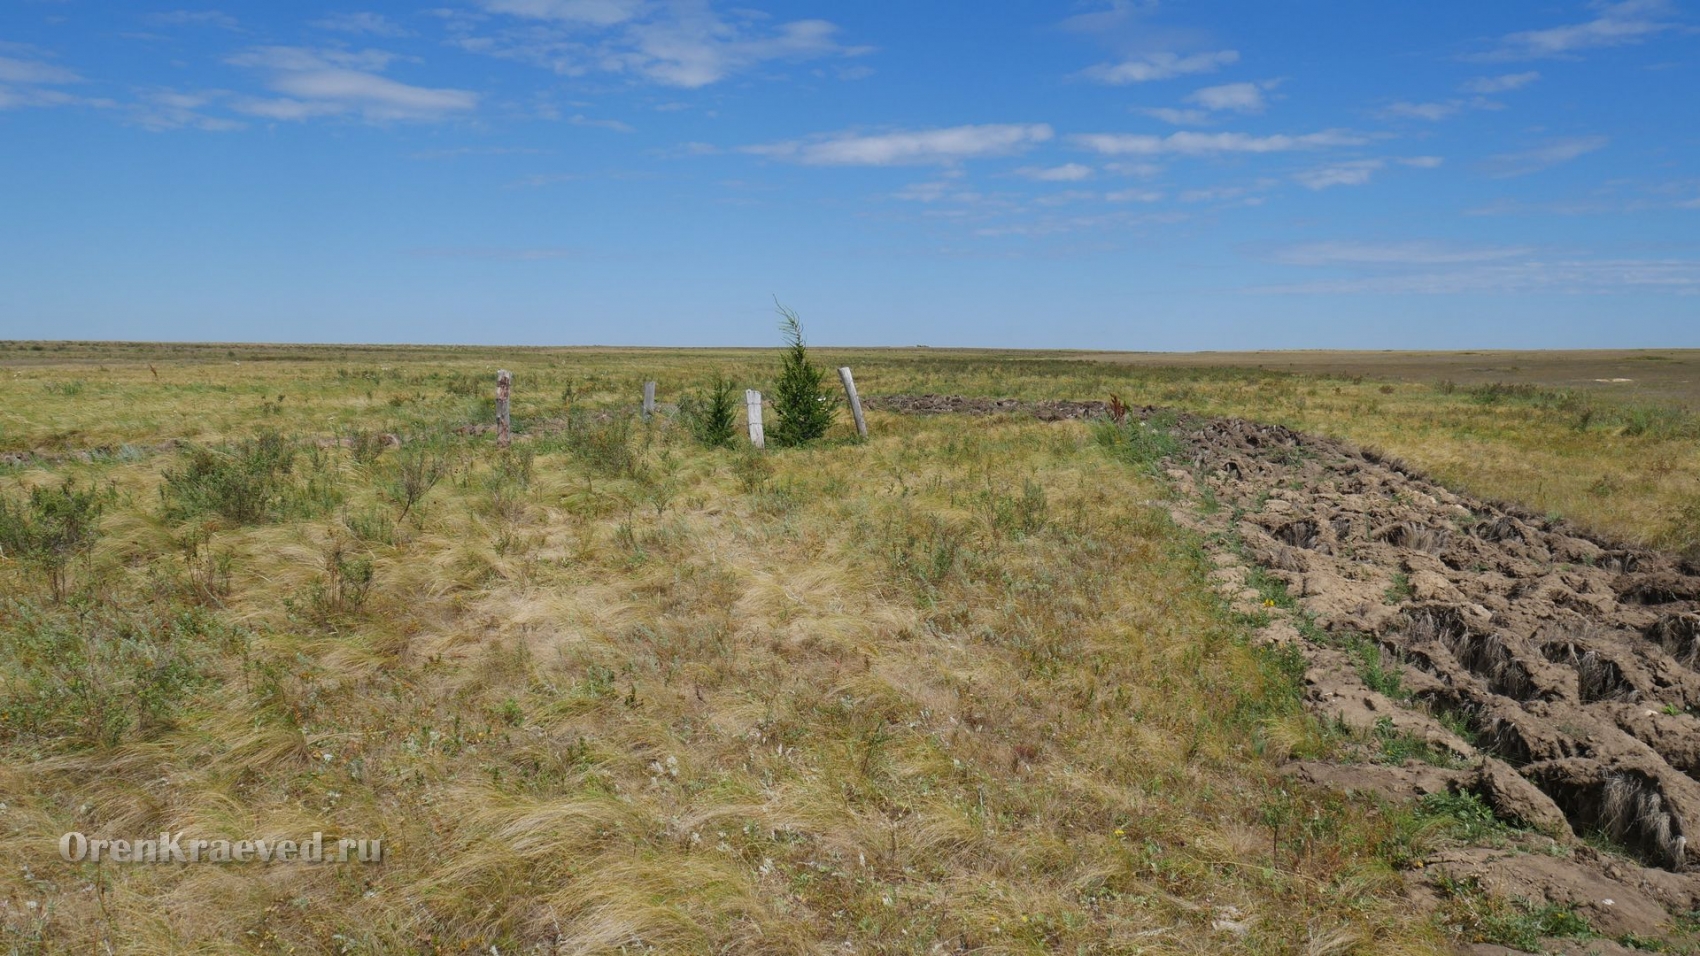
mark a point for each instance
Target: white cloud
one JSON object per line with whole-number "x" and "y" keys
{"x": 1141, "y": 170}
{"x": 1433, "y": 112}
{"x": 1201, "y": 144}
{"x": 1134, "y": 195}
{"x": 1351, "y": 253}
{"x": 1066, "y": 173}
{"x": 172, "y": 109}
{"x": 1552, "y": 277}
{"x": 1500, "y": 84}
{"x": 34, "y": 72}
{"x": 1357, "y": 172}
{"x": 683, "y": 43}
{"x": 1237, "y": 97}
{"x": 1617, "y": 24}
{"x": 375, "y": 24}
{"x": 29, "y": 80}
{"x": 1175, "y": 117}
{"x": 916, "y": 147}
{"x": 1147, "y": 67}
{"x": 609, "y": 124}
{"x": 332, "y": 82}
{"x": 700, "y": 49}
{"x": 195, "y": 18}
{"x": 1507, "y": 165}
{"x": 1354, "y": 173}
{"x": 595, "y": 12}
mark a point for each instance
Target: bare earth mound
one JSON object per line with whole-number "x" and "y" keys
{"x": 1554, "y": 674}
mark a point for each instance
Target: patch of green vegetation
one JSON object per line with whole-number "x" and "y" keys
{"x": 1475, "y": 916}
{"x": 249, "y": 482}
{"x": 50, "y": 528}
{"x": 1142, "y": 442}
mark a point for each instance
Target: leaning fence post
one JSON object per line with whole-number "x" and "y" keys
{"x": 752, "y": 402}
{"x": 855, "y": 402}
{"x": 648, "y": 399}
{"x": 504, "y": 390}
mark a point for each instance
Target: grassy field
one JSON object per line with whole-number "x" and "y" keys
{"x": 962, "y": 687}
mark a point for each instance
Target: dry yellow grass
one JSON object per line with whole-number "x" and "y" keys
{"x": 960, "y": 688}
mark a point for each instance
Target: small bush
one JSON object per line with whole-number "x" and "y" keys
{"x": 802, "y": 405}
{"x": 100, "y": 675}
{"x": 245, "y": 483}
{"x": 50, "y": 529}
{"x": 1139, "y": 442}
{"x": 712, "y": 418}
{"x": 415, "y": 469}
{"x": 603, "y": 446}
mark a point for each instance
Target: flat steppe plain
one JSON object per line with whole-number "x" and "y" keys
{"x": 967, "y": 686}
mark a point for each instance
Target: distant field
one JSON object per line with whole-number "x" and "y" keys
{"x": 1629, "y": 374}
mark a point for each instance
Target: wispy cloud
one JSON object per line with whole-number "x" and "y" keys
{"x": 174, "y": 109}
{"x": 1176, "y": 117}
{"x": 1353, "y": 173}
{"x": 499, "y": 254}
{"x": 1614, "y": 24}
{"x": 1066, "y": 173}
{"x": 194, "y": 18}
{"x": 371, "y": 24}
{"x": 600, "y": 13}
{"x": 1545, "y": 156}
{"x": 29, "y": 79}
{"x": 1147, "y": 67}
{"x": 316, "y": 83}
{"x": 684, "y": 43}
{"x": 1411, "y": 253}
{"x": 1357, "y": 172}
{"x": 1433, "y": 112}
{"x": 1204, "y": 144}
{"x": 1535, "y": 276}
{"x": 460, "y": 151}
{"x": 1233, "y": 97}
{"x": 914, "y": 147}
{"x": 609, "y": 124}
{"x": 34, "y": 72}
{"x": 1505, "y": 83}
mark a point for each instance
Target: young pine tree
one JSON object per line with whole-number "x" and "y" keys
{"x": 802, "y": 404}
{"x": 712, "y": 419}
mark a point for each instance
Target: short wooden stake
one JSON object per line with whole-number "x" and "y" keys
{"x": 504, "y": 391}
{"x": 648, "y": 399}
{"x": 855, "y": 402}
{"x": 752, "y": 402}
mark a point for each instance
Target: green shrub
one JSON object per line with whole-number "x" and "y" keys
{"x": 414, "y": 470}
{"x": 802, "y": 405}
{"x": 49, "y": 529}
{"x": 245, "y": 483}
{"x": 1139, "y": 442}
{"x": 604, "y": 446}
{"x": 712, "y": 418}
{"x": 99, "y": 675}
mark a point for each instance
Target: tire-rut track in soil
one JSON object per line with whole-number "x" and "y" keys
{"x": 1574, "y": 661}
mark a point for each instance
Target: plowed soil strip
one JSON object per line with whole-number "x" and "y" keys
{"x": 1572, "y": 664}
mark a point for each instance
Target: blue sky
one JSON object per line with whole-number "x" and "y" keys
{"x": 1121, "y": 174}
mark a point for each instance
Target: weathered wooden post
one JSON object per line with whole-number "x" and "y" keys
{"x": 855, "y": 401}
{"x": 648, "y": 399}
{"x": 752, "y": 402}
{"x": 504, "y": 390}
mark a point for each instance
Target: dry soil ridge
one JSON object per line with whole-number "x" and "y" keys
{"x": 1574, "y": 661}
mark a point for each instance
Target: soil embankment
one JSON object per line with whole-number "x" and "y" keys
{"x": 1553, "y": 673}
